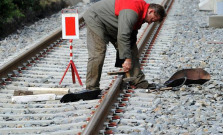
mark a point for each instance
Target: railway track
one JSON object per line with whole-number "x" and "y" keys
{"x": 134, "y": 111}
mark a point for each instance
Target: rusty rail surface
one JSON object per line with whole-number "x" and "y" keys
{"x": 97, "y": 120}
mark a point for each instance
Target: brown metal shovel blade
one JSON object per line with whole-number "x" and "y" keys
{"x": 193, "y": 76}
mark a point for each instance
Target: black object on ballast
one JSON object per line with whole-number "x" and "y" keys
{"x": 184, "y": 77}
{"x": 188, "y": 76}
{"x": 84, "y": 95}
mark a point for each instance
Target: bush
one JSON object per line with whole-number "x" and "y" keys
{"x": 9, "y": 11}
{"x": 15, "y": 13}
{"x": 28, "y": 5}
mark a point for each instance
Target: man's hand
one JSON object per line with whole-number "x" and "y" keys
{"x": 127, "y": 65}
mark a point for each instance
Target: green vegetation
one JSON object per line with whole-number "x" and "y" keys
{"x": 13, "y": 13}
{"x": 14, "y": 9}
{"x": 8, "y": 11}
{"x": 45, "y": 3}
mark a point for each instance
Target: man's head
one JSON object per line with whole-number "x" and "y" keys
{"x": 155, "y": 13}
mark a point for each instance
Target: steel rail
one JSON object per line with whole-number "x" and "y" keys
{"x": 97, "y": 120}
{"x": 35, "y": 49}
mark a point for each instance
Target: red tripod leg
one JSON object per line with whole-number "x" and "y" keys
{"x": 75, "y": 70}
{"x": 65, "y": 72}
{"x": 72, "y": 71}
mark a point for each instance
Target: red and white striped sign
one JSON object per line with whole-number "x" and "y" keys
{"x": 70, "y": 26}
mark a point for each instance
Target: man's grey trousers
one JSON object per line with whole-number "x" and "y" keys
{"x": 96, "y": 55}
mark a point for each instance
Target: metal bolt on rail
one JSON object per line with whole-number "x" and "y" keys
{"x": 128, "y": 91}
{"x": 124, "y": 100}
{"x": 29, "y": 64}
{"x": 125, "y": 95}
{"x": 9, "y": 78}
{"x": 114, "y": 118}
{"x": 6, "y": 81}
{"x": 41, "y": 54}
{"x": 37, "y": 56}
{"x": 51, "y": 46}
{"x": 3, "y": 82}
{"x": 15, "y": 73}
{"x": 33, "y": 60}
{"x": 24, "y": 66}
{"x": 9, "y": 75}
{"x": 45, "y": 51}
{"x": 120, "y": 105}
{"x": 57, "y": 42}
{"x": 20, "y": 69}
{"x": 48, "y": 49}
{"x": 111, "y": 125}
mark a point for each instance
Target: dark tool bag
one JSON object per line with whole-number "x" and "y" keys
{"x": 187, "y": 77}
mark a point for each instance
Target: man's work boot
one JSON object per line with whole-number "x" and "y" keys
{"x": 84, "y": 95}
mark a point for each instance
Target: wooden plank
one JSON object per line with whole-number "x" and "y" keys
{"x": 216, "y": 21}
{"x": 21, "y": 93}
{"x": 206, "y": 5}
{"x": 57, "y": 91}
{"x": 30, "y": 98}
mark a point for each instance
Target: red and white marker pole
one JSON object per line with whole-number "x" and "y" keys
{"x": 70, "y": 30}
{"x": 73, "y": 67}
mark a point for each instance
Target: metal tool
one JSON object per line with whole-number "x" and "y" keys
{"x": 116, "y": 72}
{"x": 127, "y": 80}
{"x": 177, "y": 84}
